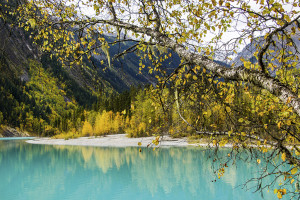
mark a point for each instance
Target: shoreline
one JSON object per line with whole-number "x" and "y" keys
{"x": 116, "y": 140}
{"x": 121, "y": 140}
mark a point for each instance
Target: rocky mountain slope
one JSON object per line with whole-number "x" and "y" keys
{"x": 248, "y": 51}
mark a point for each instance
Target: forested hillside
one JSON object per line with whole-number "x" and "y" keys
{"x": 35, "y": 97}
{"x": 38, "y": 95}
{"x": 41, "y": 96}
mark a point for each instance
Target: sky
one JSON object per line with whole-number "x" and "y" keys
{"x": 241, "y": 22}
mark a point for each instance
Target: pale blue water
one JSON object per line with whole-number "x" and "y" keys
{"x": 17, "y": 138}
{"x": 71, "y": 172}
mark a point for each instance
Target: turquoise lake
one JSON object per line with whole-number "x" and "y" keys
{"x": 40, "y": 172}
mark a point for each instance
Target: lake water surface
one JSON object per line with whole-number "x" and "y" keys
{"x": 40, "y": 172}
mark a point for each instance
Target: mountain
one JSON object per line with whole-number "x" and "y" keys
{"x": 248, "y": 51}
{"x": 40, "y": 96}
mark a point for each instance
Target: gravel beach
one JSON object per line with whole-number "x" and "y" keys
{"x": 117, "y": 140}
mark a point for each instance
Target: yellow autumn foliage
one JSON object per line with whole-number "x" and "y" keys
{"x": 108, "y": 123}
{"x": 87, "y": 129}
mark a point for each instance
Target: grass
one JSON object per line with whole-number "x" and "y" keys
{"x": 198, "y": 139}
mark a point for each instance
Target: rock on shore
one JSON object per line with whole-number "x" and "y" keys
{"x": 11, "y": 132}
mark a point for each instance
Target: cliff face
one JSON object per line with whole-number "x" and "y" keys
{"x": 15, "y": 44}
{"x": 15, "y": 50}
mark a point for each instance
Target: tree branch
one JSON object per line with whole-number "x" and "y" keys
{"x": 262, "y": 80}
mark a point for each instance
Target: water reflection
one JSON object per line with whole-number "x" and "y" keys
{"x": 73, "y": 172}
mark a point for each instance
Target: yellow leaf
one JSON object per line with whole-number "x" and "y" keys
{"x": 32, "y": 23}
{"x": 289, "y": 100}
{"x": 139, "y": 143}
{"x": 283, "y": 156}
{"x": 228, "y": 109}
{"x": 258, "y": 161}
{"x": 275, "y": 191}
{"x": 283, "y": 191}
{"x": 208, "y": 113}
{"x": 140, "y": 150}
{"x": 229, "y": 133}
{"x": 279, "y": 124}
{"x": 292, "y": 181}
{"x": 215, "y": 142}
{"x": 294, "y": 171}
{"x": 279, "y": 195}
{"x": 297, "y": 153}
